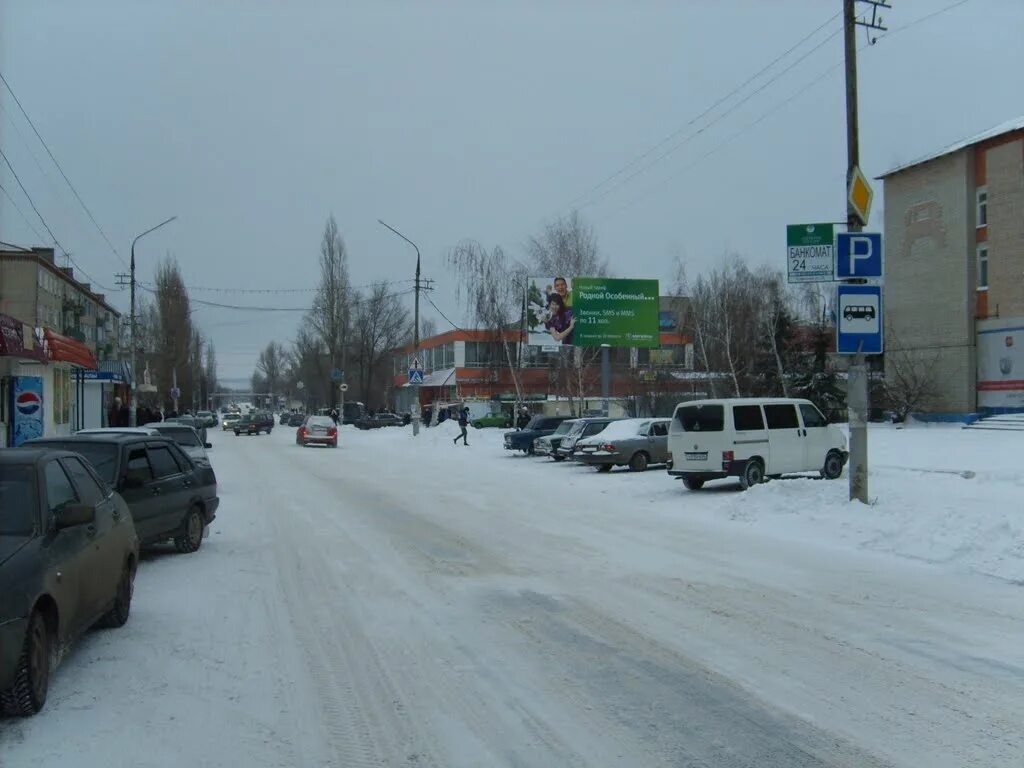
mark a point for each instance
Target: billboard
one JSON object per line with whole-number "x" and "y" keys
{"x": 591, "y": 312}
{"x": 26, "y": 409}
{"x": 1001, "y": 363}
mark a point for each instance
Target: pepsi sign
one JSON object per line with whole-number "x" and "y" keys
{"x": 26, "y": 409}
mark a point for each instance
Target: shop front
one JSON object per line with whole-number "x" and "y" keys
{"x": 23, "y": 369}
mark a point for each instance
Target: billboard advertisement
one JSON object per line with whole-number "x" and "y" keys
{"x": 26, "y": 409}
{"x": 591, "y": 312}
{"x": 1001, "y": 363}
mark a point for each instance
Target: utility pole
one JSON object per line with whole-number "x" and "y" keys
{"x": 134, "y": 406}
{"x": 415, "y": 331}
{"x": 857, "y": 373}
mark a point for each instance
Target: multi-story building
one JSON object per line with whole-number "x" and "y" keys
{"x": 954, "y": 270}
{"x": 65, "y": 328}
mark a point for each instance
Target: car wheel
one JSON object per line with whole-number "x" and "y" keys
{"x": 32, "y": 676}
{"x": 639, "y": 462}
{"x": 604, "y": 468}
{"x": 191, "y": 536}
{"x": 833, "y": 466}
{"x": 753, "y": 474}
{"x": 117, "y": 616}
{"x": 237, "y": 433}
{"x": 693, "y": 483}
{"x": 556, "y": 457}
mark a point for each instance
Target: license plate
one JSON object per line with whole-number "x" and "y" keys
{"x": 696, "y": 456}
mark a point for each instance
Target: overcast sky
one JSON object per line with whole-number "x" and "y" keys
{"x": 253, "y": 121}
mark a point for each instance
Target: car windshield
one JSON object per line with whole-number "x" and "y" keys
{"x": 17, "y": 499}
{"x": 564, "y": 427}
{"x": 319, "y": 421}
{"x": 187, "y": 437}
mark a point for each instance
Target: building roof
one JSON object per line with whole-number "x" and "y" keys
{"x": 1010, "y": 125}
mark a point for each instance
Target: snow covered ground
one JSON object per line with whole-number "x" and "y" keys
{"x": 401, "y": 602}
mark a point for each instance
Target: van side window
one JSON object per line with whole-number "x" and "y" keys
{"x": 781, "y": 416}
{"x": 812, "y": 416}
{"x": 747, "y": 417}
{"x": 701, "y": 418}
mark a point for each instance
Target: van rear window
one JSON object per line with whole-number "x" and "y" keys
{"x": 701, "y": 418}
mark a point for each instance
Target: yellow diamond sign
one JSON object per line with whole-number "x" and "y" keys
{"x": 860, "y": 196}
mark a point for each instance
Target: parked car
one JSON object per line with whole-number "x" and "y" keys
{"x": 296, "y": 419}
{"x": 207, "y": 418}
{"x": 538, "y": 426}
{"x": 187, "y": 439}
{"x": 636, "y": 443}
{"x": 548, "y": 445}
{"x": 148, "y": 430}
{"x": 230, "y": 420}
{"x": 68, "y": 554}
{"x": 254, "y": 423}
{"x": 171, "y": 498}
{"x": 317, "y": 430}
{"x": 752, "y": 438}
{"x": 583, "y": 428}
{"x": 493, "y": 420}
{"x": 191, "y": 421}
{"x": 379, "y": 420}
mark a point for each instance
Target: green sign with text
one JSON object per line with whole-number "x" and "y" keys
{"x": 616, "y": 312}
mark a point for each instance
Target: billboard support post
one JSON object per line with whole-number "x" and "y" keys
{"x": 606, "y": 375}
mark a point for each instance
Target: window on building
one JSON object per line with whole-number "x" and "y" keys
{"x": 983, "y": 207}
{"x": 982, "y": 267}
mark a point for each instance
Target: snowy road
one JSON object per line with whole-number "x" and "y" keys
{"x": 401, "y": 603}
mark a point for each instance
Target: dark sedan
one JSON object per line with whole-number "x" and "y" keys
{"x": 379, "y": 420}
{"x": 254, "y": 423}
{"x": 170, "y": 496}
{"x": 539, "y": 426}
{"x": 296, "y": 419}
{"x": 68, "y": 553}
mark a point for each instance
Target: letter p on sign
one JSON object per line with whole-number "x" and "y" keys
{"x": 858, "y": 254}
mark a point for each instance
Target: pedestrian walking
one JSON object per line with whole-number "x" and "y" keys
{"x": 334, "y": 416}
{"x": 463, "y": 423}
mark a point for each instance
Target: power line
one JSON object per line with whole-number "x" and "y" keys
{"x": 442, "y": 314}
{"x": 212, "y": 289}
{"x": 249, "y": 308}
{"x": 64, "y": 175}
{"x": 720, "y": 101}
{"x": 924, "y": 18}
{"x": 23, "y": 216}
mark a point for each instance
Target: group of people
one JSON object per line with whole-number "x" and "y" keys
{"x": 118, "y": 415}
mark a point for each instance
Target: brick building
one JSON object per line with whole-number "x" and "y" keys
{"x": 954, "y": 269}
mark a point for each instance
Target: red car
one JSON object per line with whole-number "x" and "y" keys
{"x": 317, "y": 430}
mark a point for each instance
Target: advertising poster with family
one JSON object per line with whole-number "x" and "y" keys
{"x": 591, "y": 312}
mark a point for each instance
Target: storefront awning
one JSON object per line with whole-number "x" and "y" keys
{"x": 18, "y": 340}
{"x": 67, "y": 350}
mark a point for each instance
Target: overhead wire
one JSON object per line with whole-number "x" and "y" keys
{"x": 71, "y": 186}
{"x": 442, "y": 314}
{"x": 707, "y": 111}
{"x": 17, "y": 207}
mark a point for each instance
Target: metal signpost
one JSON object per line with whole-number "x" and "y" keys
{"x": 810, "y": 253}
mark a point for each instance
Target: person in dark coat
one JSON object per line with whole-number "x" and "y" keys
{"x": 463, "y": 423}
{"x": 524, "y": 419}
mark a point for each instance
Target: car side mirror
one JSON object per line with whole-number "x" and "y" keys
{"x": 71, "y": 515}
{"x": 207, "y": 446}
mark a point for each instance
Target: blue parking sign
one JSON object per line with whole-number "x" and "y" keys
{"x": 859, "y": 321}
{"x": 859, "y": 255}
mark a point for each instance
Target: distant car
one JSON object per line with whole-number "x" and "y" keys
{"x": 169, "y": 495}
{"x": 207, "y": 418}
{"x": 317, "y": 430}
{"x": 548, "y": 445}
{"x": 229, "y": 421}
{"x": 583, "y": 428}
{"x": 379, "y": 420}
{"x": 493, "y": 420}
{"x": 296, "y": 419}
{"x": 187, "y": 439}
{"x": 283, "y": 421}
{"x": 68, "y": 554}
{"x": 538, "y": 426}
{"x": 253, "y": 424}
{"x": 636, "y": 443}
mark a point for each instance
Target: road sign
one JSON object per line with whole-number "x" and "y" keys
{"x": 859, "y": 325}
{"x": 175, "y": 393}
{"x": 337, "y": 374}
{"x": 859, "y": 255}
{"x": 415, "y": 376}
{"x": 343, "y": 387}
{"x": 416, "y": 364}
{"x": 860, "y": 196}
{"x": 810, "y": 253}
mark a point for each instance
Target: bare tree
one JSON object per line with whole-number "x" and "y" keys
{"x": 270, "y": 366}
{"x": 492, "y": 287}
{"x": 174, "y": 333}
{"x": 428, "y": 327}
{"x": 210, "y": 368}
{"x": 381, "y": 324}
{"x": 331, "y": 310}
{"x": 775, "y": 311}
{"x": 567, "y": 247}
{"x": 911, "y": 383}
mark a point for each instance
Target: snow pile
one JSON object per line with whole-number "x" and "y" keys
{"x": 618, "y": 430}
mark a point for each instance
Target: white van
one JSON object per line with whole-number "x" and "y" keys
{"x": 752, "y": 438}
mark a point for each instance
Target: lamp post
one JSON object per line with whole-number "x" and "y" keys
{"x": 416, "y": 329}
{"x": 134, "y": 407}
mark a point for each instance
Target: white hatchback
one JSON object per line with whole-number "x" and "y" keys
{"x": 752, "y": 438}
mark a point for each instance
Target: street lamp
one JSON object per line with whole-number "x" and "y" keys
{"x": 415, "y": 331}
{"x": 132, "y": 411}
